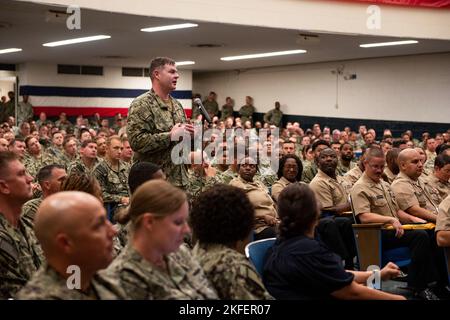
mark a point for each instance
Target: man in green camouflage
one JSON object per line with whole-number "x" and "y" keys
{"x": 20, "y": 255}
{"x": 112, "y": 174}
{"x": 50, "y": 179}
{"x": 211, "y": 105}
{"x": 55, "y": 153}
{"x": 247, "y": 110}
{"x": 310, "y": 171}
{"x": 274, "y": 116}
{"x": 88, "y": 159}
{"x": 155, "y": 118}
{"x": 227, "y": 109}
{"x": 77, "y": 241}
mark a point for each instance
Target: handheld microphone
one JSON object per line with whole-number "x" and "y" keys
{"x": 202, "y": 109}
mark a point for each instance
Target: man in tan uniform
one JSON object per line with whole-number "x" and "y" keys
{"x": 391, "y": 169}
{"x": 443, "y": 223}
{"x": 331, "y": 193}
{"x": 439, "y": 179}
{"x": 409, "y": 190}
{"x": 374, "y": 202}
{"x": 354, "y": 174}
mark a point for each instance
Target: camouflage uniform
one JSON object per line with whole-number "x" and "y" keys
{"x": 198, "y": 184}
{"x": 267, "y": 175}
{"x": 54, "y": 155}
{"x": 226, "y": 176}
{"x": 149, "y": 123}
{"x": 66, "y": 125}
{"x": 8, "y": 110}
{"x": 78, "y": 166}
{"x": 246, "y": 113}
{"x": 141, "y": 280}
{"x": 47, "y": 284}
{"x": 211, "y": 107}
{"x": 341, "y": 169}
{"x": 227, "y": 111}
{"x": 20, "y": 257}
{"x": 114, "y": 184}
{"x": 29, "y": 210}
{"x": 33, "y": 165}
{"x": 274, "y": 117}
{"x": 24, "y": 112}
{"x": 67, "y": 160}
{"x": 309, "y": 172}
{"x": 231, "y": 274}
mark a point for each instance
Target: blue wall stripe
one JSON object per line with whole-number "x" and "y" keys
{"x": 93, "y": 92}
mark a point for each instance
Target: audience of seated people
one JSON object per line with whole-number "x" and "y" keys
{"x": 97, "y": 159}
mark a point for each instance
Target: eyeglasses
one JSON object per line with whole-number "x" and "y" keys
{"x": 376, "y": 167}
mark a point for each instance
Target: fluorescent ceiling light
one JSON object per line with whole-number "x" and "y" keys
{"x": 77, "y": 40}
{"x": 184, "y": 63}
{"x": 9, "y": 50}
{"x": 263, "y": 55}
{"x": 384, "y": 44}
{"x": 171, "y": 27}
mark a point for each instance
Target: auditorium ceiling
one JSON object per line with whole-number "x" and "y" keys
{"x": 27, "y": 26}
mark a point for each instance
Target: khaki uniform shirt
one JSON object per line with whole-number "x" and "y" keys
{"x": 141, "y": 280}
{"x": 278, "y": 187}
{"x": 150, "y": 120}
{"x": 390, "y": 176}
{"x": 369, "y": 196}
{"x": 230, "y": 272}
{"x": 260, "y": 199}
{"x": 442, "y": 187}
{"x": 443, "y": 218}
{"x": 329, "y": 192}
{"x": 47, "y": 284}
{"x": 409, "y": 192}
{"x": 353, "y": 175}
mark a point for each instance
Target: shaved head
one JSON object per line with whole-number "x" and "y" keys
{"x": 63, "y": 212}
{"x": 410, "y": 163}
{"x": 73, "y": 230}
{"x": 406, "y": 155}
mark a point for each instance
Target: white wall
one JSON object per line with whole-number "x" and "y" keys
{"x": 325, "y": 16}
{"x": 5, "y": 87}
{"x": 409, "y": 88}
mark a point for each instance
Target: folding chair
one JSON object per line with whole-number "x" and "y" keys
{"x": 369, "y": 246}
{"x": 256, "y": 252}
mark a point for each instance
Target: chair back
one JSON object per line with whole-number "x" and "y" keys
{"x": 256, "y": 252}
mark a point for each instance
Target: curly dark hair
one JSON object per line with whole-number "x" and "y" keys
{"x": 297, "y": 209}
{"x": 223, "y": 215}
{"x": 283, "y": 162}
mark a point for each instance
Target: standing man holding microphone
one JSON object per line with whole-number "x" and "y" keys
{"x": 155, "y": 117}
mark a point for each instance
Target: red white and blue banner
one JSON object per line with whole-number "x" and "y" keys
{"x": 410, "y": 3}
{"x": 76, "y": 101}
